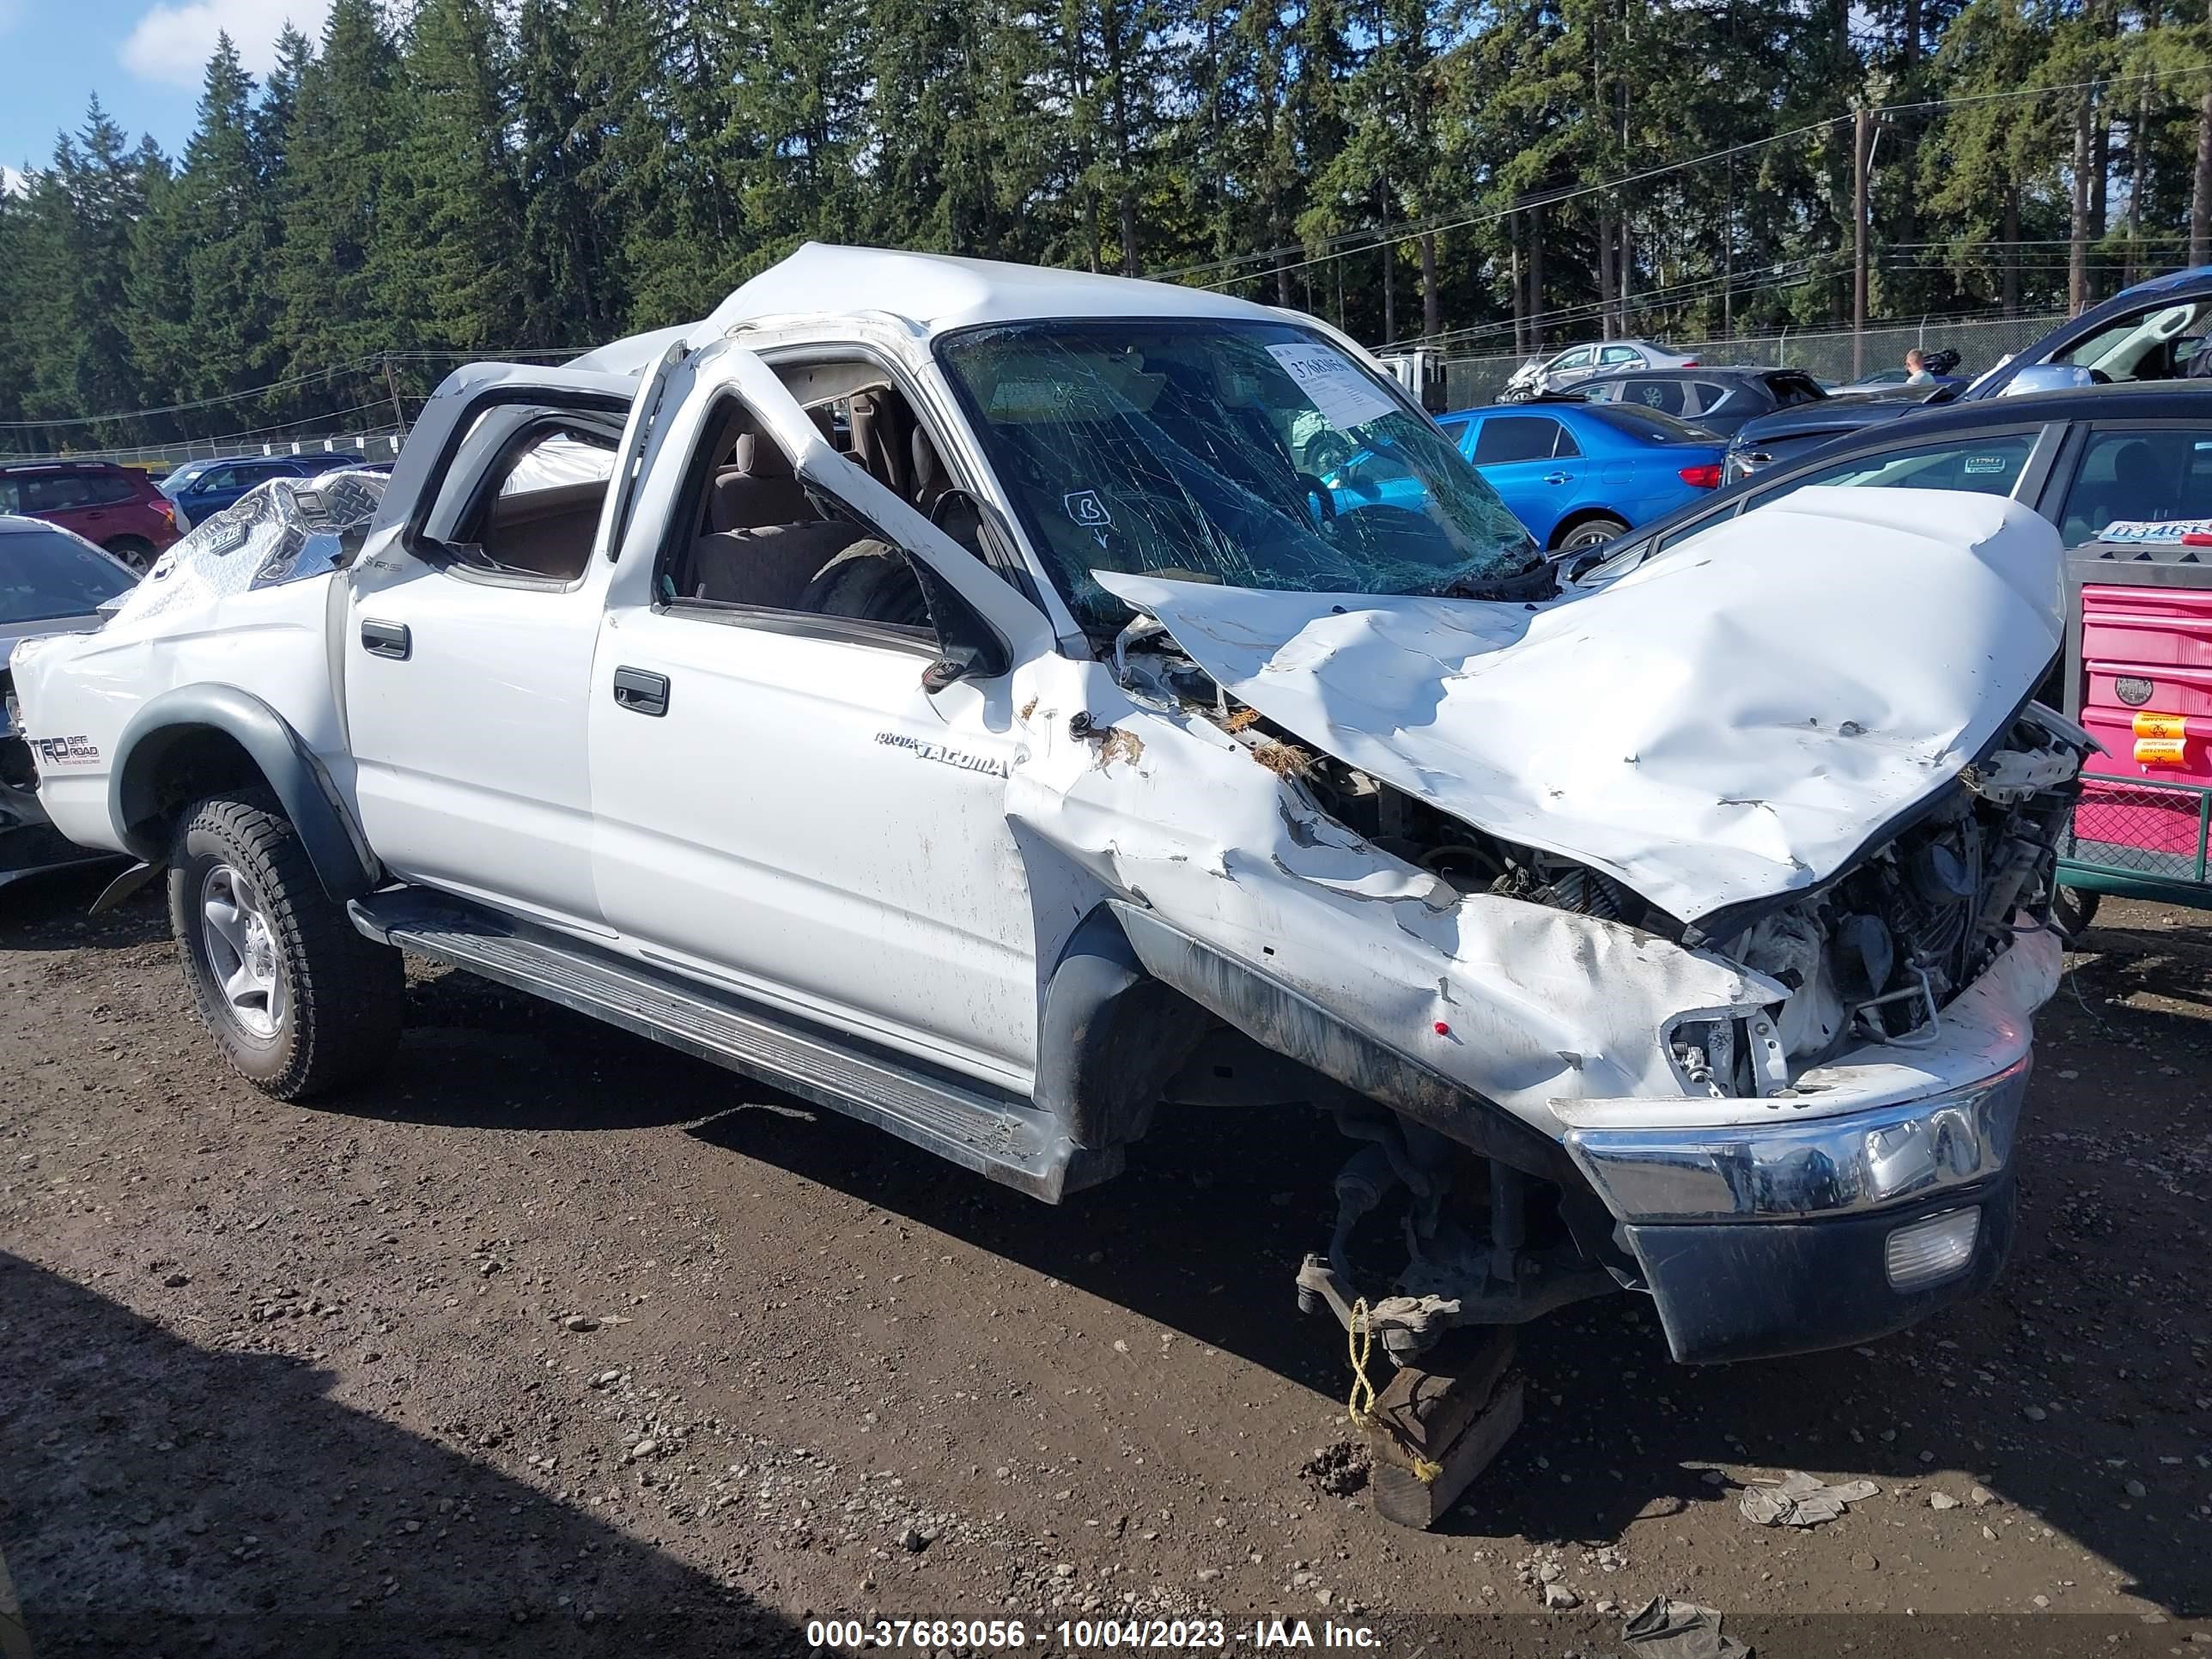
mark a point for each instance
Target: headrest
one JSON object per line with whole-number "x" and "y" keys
{"x": 742, "y": 501}
{"x": 757, "y": 457}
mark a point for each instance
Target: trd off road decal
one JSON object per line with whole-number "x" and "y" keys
{"x": 65, "y": 751}
{"x": 945, "y": 755}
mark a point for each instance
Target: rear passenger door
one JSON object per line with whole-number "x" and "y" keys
{"x": 63, "y": 498}
{"x": 473, "y": 615}
{"x": 2138, "y": 470}
{"x": 1534, "y": 464}
{"x": 791, "y": 797}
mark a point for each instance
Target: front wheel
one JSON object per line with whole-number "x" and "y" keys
{"x": 299, "y": 1000}
{"x": 1592, "y": 532}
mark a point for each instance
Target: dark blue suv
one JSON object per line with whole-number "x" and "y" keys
{"x": 202, "y": 489}
{"x": 2156, "y": 331}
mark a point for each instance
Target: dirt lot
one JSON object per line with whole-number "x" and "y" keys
{"x": 286, "y": 1380}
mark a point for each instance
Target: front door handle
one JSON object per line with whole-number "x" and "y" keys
{"x": 387, "y": 639}
{"x": 1559, "y": 477}
{"x": 640, "y": 691}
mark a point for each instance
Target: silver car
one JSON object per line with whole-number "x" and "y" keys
{"x": 1542, "y": 374}
{"x": 51, "y": 581}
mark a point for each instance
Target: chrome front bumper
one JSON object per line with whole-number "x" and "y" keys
{"x": 1768, "y": 1238}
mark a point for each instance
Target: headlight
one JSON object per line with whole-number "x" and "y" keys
{"x": 1784, "y": 1171}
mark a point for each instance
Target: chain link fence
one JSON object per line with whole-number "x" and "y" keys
{"x": 1824, "y": 353}
{"x": 2140, "y": 827}
{"x": 377, "y": 444}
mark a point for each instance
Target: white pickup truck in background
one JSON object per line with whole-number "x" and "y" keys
{"x": 960, "y": 694}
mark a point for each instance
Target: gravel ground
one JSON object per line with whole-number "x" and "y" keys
{"x": 555, "y": 1342}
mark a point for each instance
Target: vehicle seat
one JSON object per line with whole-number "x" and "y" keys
{"x": 2140, "y": 489}
{"x": 768, "y": 542}
{"x": 936, "y": 499}
{"x": 870, "y": 581}
{"x": 881, "y": 440}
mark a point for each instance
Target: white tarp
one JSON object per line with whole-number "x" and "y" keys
{"x": 1733, "y": 719}
{"x": 284, "y": 531}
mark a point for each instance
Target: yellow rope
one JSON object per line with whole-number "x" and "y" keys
{"x": 1359, "y": 1340}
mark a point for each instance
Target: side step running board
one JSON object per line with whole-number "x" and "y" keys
{"x": 966, "y": 1121}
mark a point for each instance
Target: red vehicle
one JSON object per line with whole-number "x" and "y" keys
{"x": 116, "y": 506}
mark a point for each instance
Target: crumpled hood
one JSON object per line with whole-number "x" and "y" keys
{"x": 1734, "y": 720}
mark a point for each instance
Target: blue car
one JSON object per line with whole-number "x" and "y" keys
{"x": 1575, "y": 474}
{"x": 202, "y": 489}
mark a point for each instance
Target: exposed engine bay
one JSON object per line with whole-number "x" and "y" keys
{"x": 1872, "y": 955}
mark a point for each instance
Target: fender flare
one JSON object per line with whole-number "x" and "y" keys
{"x": 333, "y": 842}
{"x": 1110, "y": 1036}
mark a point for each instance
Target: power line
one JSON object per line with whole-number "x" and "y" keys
{"x": 1368, "y": 239}
{"x": 363, "y": 366}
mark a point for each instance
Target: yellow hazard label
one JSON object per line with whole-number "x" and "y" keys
{"x": 2160, "y": 751}
{"x": 2148, "y": 725}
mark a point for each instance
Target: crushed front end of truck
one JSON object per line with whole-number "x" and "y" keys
{"x": 1684, "y": 936}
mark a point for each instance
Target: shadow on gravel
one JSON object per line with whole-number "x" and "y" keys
{"x": 160, "y": 1497}
{"x": 2101, "y": 1326}
{"x": 51, "y": 912}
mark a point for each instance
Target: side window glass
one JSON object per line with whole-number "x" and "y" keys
{"x": 11, "y": 495}
{"x": 54, "y": 492}
{"x": 541, "y": 517}
{"x": 1507, "y": 438}
{"x": 1676, "y": 538}
{"x": 1980, "y": 466}
{"x": 1579, "y": 358}
{"x": 106, "y": 489}
{"x": 749, "y": 534}
{"x": 2160, "y": 344}
{"x": 1620, "y": 355}
{"x": 2140, "y": 475}
{"x": 1665, "y": 396}
{"x": 1564, "y": 446}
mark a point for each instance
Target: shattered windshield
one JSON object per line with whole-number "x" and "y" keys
{"x": 1254, "y": 455}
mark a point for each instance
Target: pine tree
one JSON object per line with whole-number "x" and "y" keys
{"x": 338, "y": 164}
{"x": 201, "y": 258}
{"x": 448, "y": 245}
{"x": 82, "y": 216}
{"x": 570, "y": 270}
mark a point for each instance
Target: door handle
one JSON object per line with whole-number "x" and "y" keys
{"x": 1559, "y": 477}
{"x": 641, "y": 692}
{"x": 387, "y": 639}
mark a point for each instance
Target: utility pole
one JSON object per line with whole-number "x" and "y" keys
{"x": 1862, "y": 156}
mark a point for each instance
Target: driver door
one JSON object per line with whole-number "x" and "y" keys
{"x": 791, "y": 799}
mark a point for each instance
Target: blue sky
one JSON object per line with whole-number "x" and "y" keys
{"x": 142, "y": 57}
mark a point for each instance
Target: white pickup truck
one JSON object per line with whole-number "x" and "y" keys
{"x": 991, "y": 702}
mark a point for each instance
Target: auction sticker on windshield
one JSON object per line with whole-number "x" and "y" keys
{"x": 1333, "y": 384}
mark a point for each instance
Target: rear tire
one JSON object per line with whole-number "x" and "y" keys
{"x": 134, "y": 551}
{"x": 299, "y": 1000}
{"x": 1592, "y": 532}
